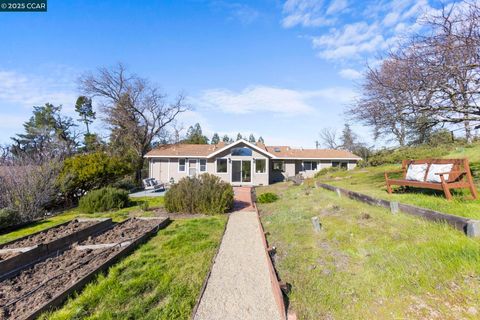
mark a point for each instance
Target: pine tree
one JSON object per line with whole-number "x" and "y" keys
{"x": 215, "y": 139}
{"x": 251, "y": 138}
{"x": 239, "y": 137}
{"x": 195, "y": 135}
{"x": 226, "y": 139}
{"x": 47, "y": 134}
{"x": 260, "y": 140}
{"x": 84, "y": 108}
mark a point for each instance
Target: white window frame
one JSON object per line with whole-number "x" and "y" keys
{"x": 311, "y": 165}
{"x": 216, "y": 165}
{"x": 184, "y": 165}
{"x": 200, "y": 165}
{"x": 265, "y": 167}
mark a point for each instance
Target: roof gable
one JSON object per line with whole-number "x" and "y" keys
{"x": 249, "y": 144}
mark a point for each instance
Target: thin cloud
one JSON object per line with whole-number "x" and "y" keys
{"x": 274, "y": 100}
{"x": 355, "y": 34}
{"x": 350, "y": 74}
{"x": 29, "y": 90}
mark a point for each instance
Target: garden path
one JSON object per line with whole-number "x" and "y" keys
{"x": 239, "y": 286}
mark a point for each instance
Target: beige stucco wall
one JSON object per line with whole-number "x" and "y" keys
{"x": 165, "y": 169}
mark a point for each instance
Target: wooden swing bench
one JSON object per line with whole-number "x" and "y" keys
{"x": 458, "y": 177}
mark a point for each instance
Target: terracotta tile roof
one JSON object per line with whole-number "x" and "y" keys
{"x": 287, "y": 152}
{"x": 182, "y": 150}
{"x": 203, "y": 150}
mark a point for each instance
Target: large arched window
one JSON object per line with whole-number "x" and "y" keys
{"x": 242, "y": 151}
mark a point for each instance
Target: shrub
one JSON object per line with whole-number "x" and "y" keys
{"x": 91, "y": 171}
{"x": 267, "y": 197}
{"x": 206, "y": 194}
{"x": 104, "y": 199}
{"x": 29, "y": 188}
{"x": 8, "y": 218}
{"x": 144, "y": 205}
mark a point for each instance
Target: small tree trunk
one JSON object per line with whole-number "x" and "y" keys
{"x": 468, "y": 131}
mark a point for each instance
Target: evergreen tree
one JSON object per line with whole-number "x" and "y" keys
{"x": 226, "y": 139}
{"x": 239, "y": 137}
{"x": 251, "y": 138}
{"x": 84, "y": 108}
{"x": 215, "y": 138}
{"x": 47, "y": 134}
{"x": 195, "y": 135}
{"x": 260, "y": 140}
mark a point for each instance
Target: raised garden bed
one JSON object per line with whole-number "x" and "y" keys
{"x": 48, "y": 283}
{"x": 21, "y": 253}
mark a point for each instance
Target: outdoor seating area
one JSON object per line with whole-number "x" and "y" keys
{"x": 436, "y": 174}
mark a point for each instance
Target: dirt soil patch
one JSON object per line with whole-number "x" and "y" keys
{"x": 49, "y": 235}
{"x": 35, "y": 287}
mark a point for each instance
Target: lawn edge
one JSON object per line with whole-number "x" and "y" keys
{"x": 469, "y": 227}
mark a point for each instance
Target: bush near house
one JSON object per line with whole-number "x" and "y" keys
{"x": 206, "y": 194}
{"x": 104, "y": 199}
{"x": 85, "y": 172}
{"x": 267, "y": 197}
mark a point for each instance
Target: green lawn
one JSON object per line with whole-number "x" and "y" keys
{"x": 161, "y": 280}
{"x": 371, "y": 181}
{"x": 367, "y": 263}
{"x": 68, "y": 215}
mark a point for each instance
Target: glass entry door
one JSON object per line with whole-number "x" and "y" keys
{"x": 241, "y": 171}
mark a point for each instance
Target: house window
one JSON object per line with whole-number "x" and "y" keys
{"x": 221, "y": 165}
{"x": 342, "y": 165}
{"x": 279, "y": 166}
{"x": 309, "y": 165}
{"x": 244, "y": 152}
{"x": 260, "y": 166}
{"x": 203, "y": 165}
{"x": 181, "y": 165}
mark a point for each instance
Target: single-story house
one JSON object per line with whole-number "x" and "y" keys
{"x": 242, "y": 162}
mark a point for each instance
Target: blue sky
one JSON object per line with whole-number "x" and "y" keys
{"x": 280, "y": 69}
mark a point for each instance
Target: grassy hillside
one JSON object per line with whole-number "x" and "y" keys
{"x": 367, "y": 263}
{"x": 370, "y": 180}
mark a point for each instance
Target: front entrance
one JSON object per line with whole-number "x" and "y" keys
{"x": 241, "y": 171}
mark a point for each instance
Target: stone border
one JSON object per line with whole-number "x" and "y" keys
{"x": 275, "y": 282}
{"x": 77, "y": 286}
{"x": 470, "y": 227}
{"x": 10, "y": 267}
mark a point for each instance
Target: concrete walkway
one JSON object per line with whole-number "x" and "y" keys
{"x": 239, "y": 285}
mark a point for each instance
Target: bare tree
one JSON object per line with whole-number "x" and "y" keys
{"x": 328, "y": 136}
{"x": 136, "y": 111}
{"x": 29, "y": 188}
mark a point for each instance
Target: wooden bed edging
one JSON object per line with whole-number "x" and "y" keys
{"x": 205, "y": 281}
{"x": 275, "y": 282}
{"x": 470, "y": 227}
{"x": 12, "y": 266}
{"x": 77, "y": 286}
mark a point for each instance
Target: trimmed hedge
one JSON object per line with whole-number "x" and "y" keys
{"x": 268, "y": 197}
{"x": 104, "y": 199}
{"x": 206, "y": 194}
